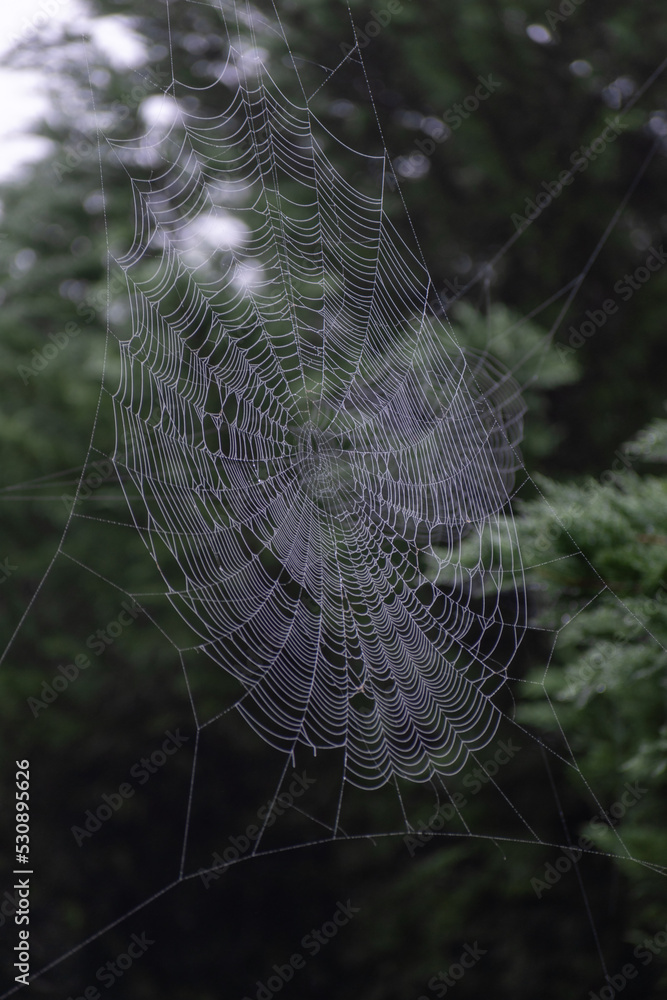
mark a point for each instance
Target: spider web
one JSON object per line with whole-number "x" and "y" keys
{"x": 322, "y": 476}
{"x": 299, "y": 426}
